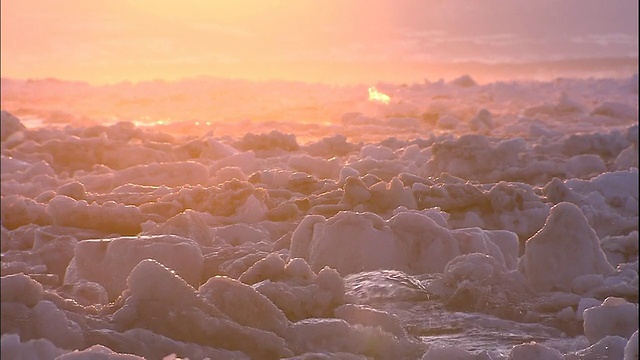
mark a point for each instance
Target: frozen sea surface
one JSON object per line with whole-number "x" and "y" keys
{"x": 287, "y": 220}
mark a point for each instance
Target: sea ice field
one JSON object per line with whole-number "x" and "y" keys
{"x": 226, "y": 219}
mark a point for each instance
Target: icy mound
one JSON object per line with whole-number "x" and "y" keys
{"x": 565, "y": 248}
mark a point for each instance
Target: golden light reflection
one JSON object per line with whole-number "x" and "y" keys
{"x": 377, "y": 96}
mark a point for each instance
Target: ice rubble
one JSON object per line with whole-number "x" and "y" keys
{"x": 117, "y": 237}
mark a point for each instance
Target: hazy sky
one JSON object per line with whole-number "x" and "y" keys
{"x": 331, "y": 40}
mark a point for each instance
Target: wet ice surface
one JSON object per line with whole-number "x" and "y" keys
{"x": 425, "y": 314}
{"x": 307, "y": 220}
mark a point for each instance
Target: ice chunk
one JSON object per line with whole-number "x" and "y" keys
{"x": 168, "y": 174}
{"x": 355, "y": 191}
{"x": 21, "y": 288}
{"x": 464, "y": 81}
{"x": 160, "y": 301}
{"x": 565, "y": 248}
{"x": 615, "y": 316}
{"x": 151, "y": 280}
{"x": 476, "y": 240}
{"x": 108, "y": 217}
{"x": 10, "y": 125}
{"x": 366, "y": 243}
{"x": 627, "y": 159}
{"x": 193, "y": 225}
{"x": 36, "y": 349}
{"x": 425, "y": 245}
{"x": 376, "y": 152}
{"x": 322, "y": 168}
{"x": 10, "y": 165}
{"x": 46, "y": 320}
{"x": 214, "y": 149}
{"x": 482, "y": 122}
{"x": 410, "y": 241}
{"x": 475, "y": 267}
{"x": 585, "y": 164}
{"x": 631, "y": 349}
{"x": 18, "y": 211}
{"x": 367, "y": 316}
{"x": 609, "y": 347}
{"x": 272, "y": 267}
{"x": 301, "y": 297}
{"x": 616, "y": 109}
{"x": 387, "y": 197}
{"x": 586, "y": 303}
{"x": 448, "y": 122}
{"x": 109, "y": 261}
{"x": 243, "y": 304}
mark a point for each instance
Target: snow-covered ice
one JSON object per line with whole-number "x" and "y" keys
{"x": 457, "y": 221}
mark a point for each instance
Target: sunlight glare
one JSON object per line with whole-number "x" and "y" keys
{"x": 375, "y": 95}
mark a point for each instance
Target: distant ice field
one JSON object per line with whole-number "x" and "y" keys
{"x": 226, "y": 219}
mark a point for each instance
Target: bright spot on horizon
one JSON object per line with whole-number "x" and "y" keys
{"x": 375, "y": 95}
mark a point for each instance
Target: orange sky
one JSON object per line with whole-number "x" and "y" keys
{"x": 322, "y": 41}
